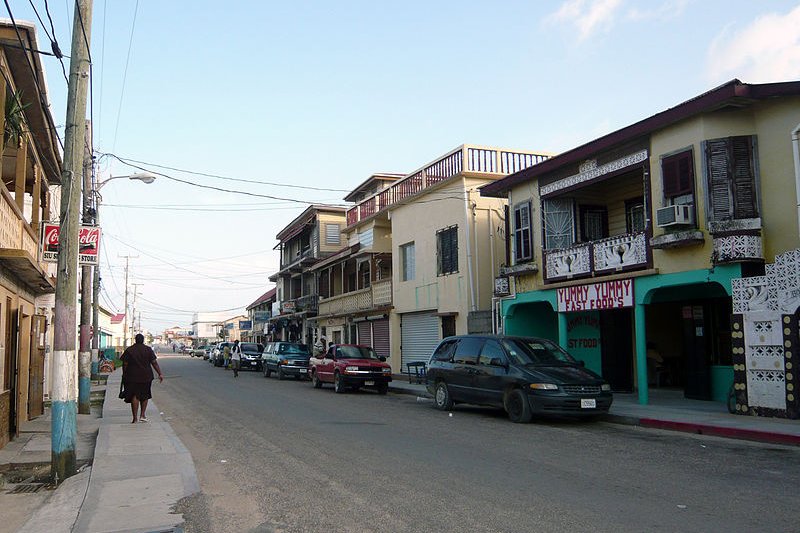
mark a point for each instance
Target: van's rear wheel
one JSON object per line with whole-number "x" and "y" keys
{"x": 517, "y": 407}
{"x": 441, "y": 397}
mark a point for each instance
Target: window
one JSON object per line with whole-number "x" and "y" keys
{"x": 447, "y": 250}
{"x": 467, "y": 350}
{"x": 731, "y": 178}
{"x": 332, "y": 234}
{"x": 559, "y": 223}
{"x": 492, "y": 351}
{"x": 407, "y": 259}
{"x": 677, "y": 176}
{"x": 634, "y": 215}
{"x": 445, "y": 350}
{"x": 594, "y": 222}
{"x": 523, "y": 247}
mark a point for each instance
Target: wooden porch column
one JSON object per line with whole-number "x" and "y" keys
{"x": 21, "y": 170}
{"x": 37, "y": 199}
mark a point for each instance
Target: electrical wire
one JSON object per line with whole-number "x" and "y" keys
{"x": 208, "y": 175}
{"x": 125, "y": 76}
{"x": 53, "y": 43}
{"x": 217, "y": 278}
{"x": 39, "y": 91}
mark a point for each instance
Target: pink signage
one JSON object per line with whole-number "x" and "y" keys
{"x": 596, "y": 296}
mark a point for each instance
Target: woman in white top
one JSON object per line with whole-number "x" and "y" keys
{"x": 236, "y": 358}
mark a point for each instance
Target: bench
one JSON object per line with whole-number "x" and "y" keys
{"x": 416, "y": 372}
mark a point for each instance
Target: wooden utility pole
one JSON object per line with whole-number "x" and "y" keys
{"x": 84, "y": 353}
{"x": 64, "y": 430}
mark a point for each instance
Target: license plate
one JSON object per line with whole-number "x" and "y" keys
{"x": 302, "y": 370}
{"x": 368, "y": 383}
{"x": 590, "y": 403}
{"x": 253, "y": 363}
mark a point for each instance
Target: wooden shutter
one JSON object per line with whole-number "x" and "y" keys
{"x": 744, "y": 183}
{"x": 677, "y": 173}
{"x": 731, "y": 178}
{"x": 719, "y": 183}
{"x": 522, "y": 232}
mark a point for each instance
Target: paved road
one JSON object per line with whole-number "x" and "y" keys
{"x": 281, "y": 456}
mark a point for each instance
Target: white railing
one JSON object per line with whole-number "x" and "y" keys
{"x": 620, "y": 252}
{"x": 465, "y": 158}
{"x": 378, "y": 295}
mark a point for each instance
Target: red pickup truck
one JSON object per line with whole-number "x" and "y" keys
{"x": 351, "y": 366}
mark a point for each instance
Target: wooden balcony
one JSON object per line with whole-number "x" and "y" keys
{"x": 375, "y": 296}
{"x": 19, "y": 248}
{"x": 463, "y": 160}
{"x": 597, "y": 258}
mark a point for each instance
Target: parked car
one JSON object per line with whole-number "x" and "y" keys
{"x": 217, "y": 356}
{"x": 251, "y": 355}
{"x": 199, "y": 351}
{"x": 351, "y": 366}
{"x": 523, "y": 375}
{"x": 285, "y": 359}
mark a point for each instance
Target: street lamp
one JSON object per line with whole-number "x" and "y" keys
{"x": 144, "y": 177}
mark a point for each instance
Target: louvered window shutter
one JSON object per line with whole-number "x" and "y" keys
{"x": 719, "y": 183}
{"x": 522, "y": 232}
{"x": 744, "y": 187}
{"x": 731, "y": 178}
{"x": 677, "y": 173}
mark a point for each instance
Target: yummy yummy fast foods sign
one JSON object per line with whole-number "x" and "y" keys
{"x": 594, "y": 296}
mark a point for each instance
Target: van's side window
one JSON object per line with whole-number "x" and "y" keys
{"x": 468, "y": 350}
{"x": 492, "y": 351}
{"x": 445, "y": 351}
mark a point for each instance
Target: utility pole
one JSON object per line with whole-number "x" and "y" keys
{"x": 133, "y": 307}
{"x": 84, "y": 355}
{"x": 125, "y": 322}
{"x": 64, "y": 430}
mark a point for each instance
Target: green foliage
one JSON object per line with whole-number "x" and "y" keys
{"x": 15, "y": 117}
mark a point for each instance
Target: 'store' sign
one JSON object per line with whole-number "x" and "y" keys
{"x": 596, "y": 296}
{"x": 88, "y": 243}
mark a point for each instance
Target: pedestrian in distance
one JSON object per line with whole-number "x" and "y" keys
{"x": 226, "y": 356}
{"x": 236, "y": 358}
{"x": 138, "y": 362}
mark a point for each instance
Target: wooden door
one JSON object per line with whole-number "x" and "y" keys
{"x": 36, "y": 378}
{"x": 12, "y": 329}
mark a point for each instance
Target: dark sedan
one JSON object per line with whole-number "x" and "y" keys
{"x": 523, "y": 375}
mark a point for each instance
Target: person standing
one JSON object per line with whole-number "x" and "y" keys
{"x": 138, "y": 362}
{"x": 226, "y": 355}
{"x": 236, "y": 358}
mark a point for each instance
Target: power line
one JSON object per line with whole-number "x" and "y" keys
{"x": 125, "y": 75}
{"x": 53, "y": 43}
{"x": 218, "y": 278}
{"x": 125, "y": 160}
{"x": 245, "y": 193}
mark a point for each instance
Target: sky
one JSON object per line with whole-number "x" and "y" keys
{"x": 250, "y": 111}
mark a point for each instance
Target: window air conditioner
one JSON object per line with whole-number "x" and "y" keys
{"x": 675, "y": 215}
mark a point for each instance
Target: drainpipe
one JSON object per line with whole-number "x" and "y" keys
{"x": 796, "y": 146}
{"x": 469, "y": 249}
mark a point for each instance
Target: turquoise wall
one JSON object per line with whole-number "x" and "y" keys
{"x": 721, "y": 380}
{"x": 583, "y": 338}
{"x": 536, "y": 319}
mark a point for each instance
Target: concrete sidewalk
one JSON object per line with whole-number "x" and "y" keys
{"x": 669, "y": 410}
{"x": 139, "y": 472}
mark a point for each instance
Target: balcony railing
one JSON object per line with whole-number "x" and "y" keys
{"x": 17, "y": 234}
{"x": 378, "y": 295}
{"x": 464, "y": 159}
{"x": 613, "y": 254}
{"x": 309, "y": 302}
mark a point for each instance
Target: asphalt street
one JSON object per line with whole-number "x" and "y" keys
{"x": 281, "y": 456}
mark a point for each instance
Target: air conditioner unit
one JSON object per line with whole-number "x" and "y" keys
{"x": 675, "y": 215}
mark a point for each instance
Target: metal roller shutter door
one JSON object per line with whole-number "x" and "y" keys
{"x": 364, "y": 333}
{"x": 380, "y": 337}
{"x": 419, "y": 337}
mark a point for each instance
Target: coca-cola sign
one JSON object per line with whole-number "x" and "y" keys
{"x": 88, "y": 243}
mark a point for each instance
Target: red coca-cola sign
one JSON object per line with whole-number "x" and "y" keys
{"x": 88, "y": 243}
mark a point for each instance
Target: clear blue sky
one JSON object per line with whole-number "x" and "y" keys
{"x": 322, "y": 94}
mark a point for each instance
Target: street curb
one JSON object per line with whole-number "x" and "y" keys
{"x": 705, "y": 429}
{"x": 720, "y": 431}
